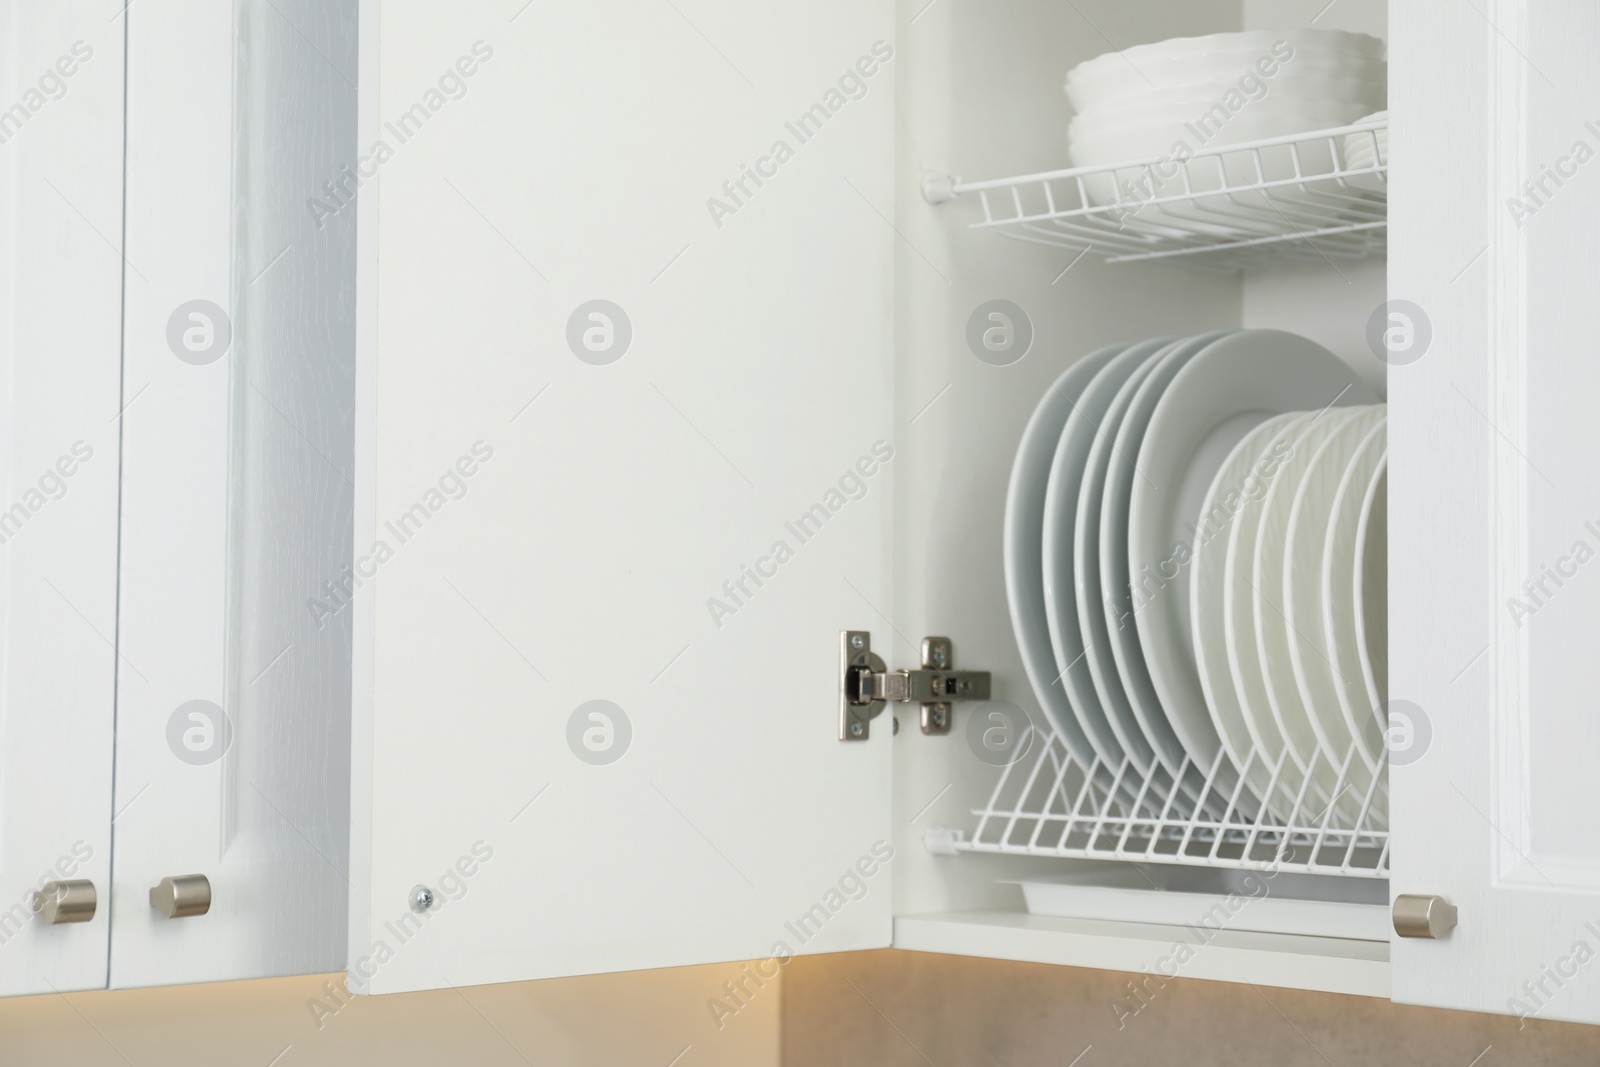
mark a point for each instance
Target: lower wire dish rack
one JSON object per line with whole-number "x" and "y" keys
{"x": 1323, "y": 820}
{"x": 1314, "y": 197}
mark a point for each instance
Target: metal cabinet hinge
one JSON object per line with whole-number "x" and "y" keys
{"x": 865, "y": 684}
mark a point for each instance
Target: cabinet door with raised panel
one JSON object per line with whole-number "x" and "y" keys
{"x": 233, "y": 701}
{"x": 60, "y": 301}
{"x": 624, "y": 464}
{"x": 1495, "y": 501}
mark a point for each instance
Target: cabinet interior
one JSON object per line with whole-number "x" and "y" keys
{"x": 980, "y": 97}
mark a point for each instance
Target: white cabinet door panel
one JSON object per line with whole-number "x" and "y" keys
{"x": 175, "y": 484}
{"x": 60, "y": 325}
{"x": 232, "y": 734}
{"x": 1495, "y": 501}
{"x": 561, "y": 502}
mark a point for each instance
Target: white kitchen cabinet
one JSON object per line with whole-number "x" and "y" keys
{"x": 626, "y": 336}
{"x": 583, "y": 159}
{"x": 627, "y": 470}
{"x": 60, "y": 276}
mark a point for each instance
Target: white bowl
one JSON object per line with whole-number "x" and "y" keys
{"x": 1215, "y": 76}
{"x": 1364, "y": 150}
{"x": 1196, "y": 98}
{"x": 1199, "y": 128}
{"x": 1242, "y": 212}
{"x": 1116, "y": 76}
{"x": 1093, "y": 145}
{"x": 1254, "y": 42}
{"x": 1359, "y": 147}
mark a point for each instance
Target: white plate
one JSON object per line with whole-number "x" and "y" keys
{"x": 1068, "y": 461}
{"x": 1271, "y": 627}
{"x": 1172, "y": 741}
{"x": 1096, "y": 649}
{"x": 1371, "y": 590}
{"x": 1239, "y": 634}
{"x": 1242, "y": 477}
{"x": 1310, "y": 514}
{"x": 1232, "y": 385}
{"x": 1338, "y": 590}
{"x": 1023, "y": 547}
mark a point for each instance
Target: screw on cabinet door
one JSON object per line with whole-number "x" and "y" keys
{"x": 65, "y": 902}
{"x": 1420, "y": 915}
{"x": 421, "y": 899}
{"x": 181, "y": 895}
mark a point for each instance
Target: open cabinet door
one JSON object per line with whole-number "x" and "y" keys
{"x": 60, "y": 346}
{"x": 624, "y": 466}
{"x": 1495, "y": 491}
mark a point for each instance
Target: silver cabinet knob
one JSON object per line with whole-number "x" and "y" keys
{"x": 181, "y": 895}
{"x": 65, "y": 902}
{"x": 1419, "y": 915}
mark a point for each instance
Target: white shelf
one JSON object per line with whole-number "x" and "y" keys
{"x": 1233, "y": 208}
{"x": 1325, "y": 964}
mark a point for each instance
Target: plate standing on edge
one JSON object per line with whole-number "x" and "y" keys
{"x": 1232, "y": 385}
{"x": 1371, "y": 591}
{"x": 1023, "y": 547}
{"x": 1309, "y": 647}
{"x": 1127, "y": 592}
{"x": 1243, "y": 478}
{"x": 1339, "y": 584}
{"x": 1079, "y": 596}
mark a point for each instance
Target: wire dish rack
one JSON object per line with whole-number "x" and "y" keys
{"x": 1312, "y": 196}
{"x": 1325, "y": 820}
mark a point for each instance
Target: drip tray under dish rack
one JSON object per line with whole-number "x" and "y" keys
{"x": 1206, "y": 900}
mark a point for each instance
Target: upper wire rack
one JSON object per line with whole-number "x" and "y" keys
{"x": 1237, "y": 207}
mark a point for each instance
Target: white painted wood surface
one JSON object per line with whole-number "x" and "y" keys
{"x": 571, "y": 523}
{"x": 236, "y": 492}
{"x": 1493, "y": 484}
{"x": 60, "y": 324}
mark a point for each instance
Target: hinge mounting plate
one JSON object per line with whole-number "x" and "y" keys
{"x": 865, "y": 685}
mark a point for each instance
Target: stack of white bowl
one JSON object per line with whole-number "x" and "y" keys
{"x": 1140, "y": 104}
{"x": 1362, "y": 150}
{"x": 1366, "y": 151}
